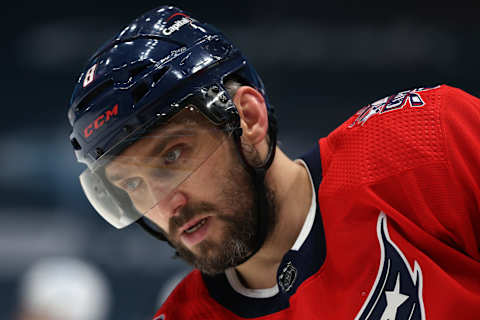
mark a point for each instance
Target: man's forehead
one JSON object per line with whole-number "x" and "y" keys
{"x": 149, "y": 145}
{"x": 183, "y": 124}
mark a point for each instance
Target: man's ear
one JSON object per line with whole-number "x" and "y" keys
{"x": 253, "y": 114}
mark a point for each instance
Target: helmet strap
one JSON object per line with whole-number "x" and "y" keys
{"x": 258, "y": 176}
{"x": 142, "y": 222}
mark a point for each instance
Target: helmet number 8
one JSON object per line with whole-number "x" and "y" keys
{"x": 89, "y": 76}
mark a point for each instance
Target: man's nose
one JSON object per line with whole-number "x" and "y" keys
{"x": 165, "y": 197}
{"x": 167, "y": 201}
{"x": 173, "y": 203}
{"x": 166, "y": 208}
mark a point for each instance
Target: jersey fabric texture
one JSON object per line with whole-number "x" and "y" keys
{"x": 396, "y": 233}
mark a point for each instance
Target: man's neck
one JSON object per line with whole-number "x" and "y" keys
{"x": 293, "y": 193}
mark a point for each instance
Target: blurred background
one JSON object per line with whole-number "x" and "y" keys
{"x": 321, "y": 61}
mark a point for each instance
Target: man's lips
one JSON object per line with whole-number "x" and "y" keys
{"x": 190, "y": 224}
{"x": 195, "y": 231}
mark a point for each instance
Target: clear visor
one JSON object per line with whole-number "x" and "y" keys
{"x": 123, "y": 187}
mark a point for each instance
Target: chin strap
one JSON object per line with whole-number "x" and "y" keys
{"x": 258, "y": 175}
{"x": 145, "y": 224}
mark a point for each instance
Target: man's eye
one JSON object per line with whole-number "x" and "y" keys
{"x": 131, "y": 184}
{"x": 172, "y": 155}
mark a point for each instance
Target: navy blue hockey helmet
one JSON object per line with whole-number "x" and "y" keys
{"x": 161, "y": 64}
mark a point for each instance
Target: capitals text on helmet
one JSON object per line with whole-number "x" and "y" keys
{"x": 177, "y": 25}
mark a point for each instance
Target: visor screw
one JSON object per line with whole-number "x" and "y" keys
{"x": 99, "y": 151}
{"x": 127, "y": 129}
{"x": 215, "y": 89}
{"x": 75, "y": 144}
{"x": 223, "y": 98}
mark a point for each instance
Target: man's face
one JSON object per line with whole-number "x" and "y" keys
{"x": 194, "y": 187}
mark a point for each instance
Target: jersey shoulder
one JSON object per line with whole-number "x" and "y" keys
{"x": 190, "y": 300}
{"x": 400, "y": 132}
{"x": 189, "y": 292}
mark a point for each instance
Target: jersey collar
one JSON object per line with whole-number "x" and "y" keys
{"x": 302, "y": 261}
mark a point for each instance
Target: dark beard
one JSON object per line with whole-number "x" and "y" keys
{"x": 240, "y": 216}
{"x": 214, "y": 257}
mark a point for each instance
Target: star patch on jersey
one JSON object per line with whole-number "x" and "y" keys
{"x": 397, "y": 291}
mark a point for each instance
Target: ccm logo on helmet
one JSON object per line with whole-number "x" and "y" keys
{"x": 100, "y": 121}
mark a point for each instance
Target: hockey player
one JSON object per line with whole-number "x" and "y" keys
{"x": 380, "y": 220}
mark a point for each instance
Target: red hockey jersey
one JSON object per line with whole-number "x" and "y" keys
{"x": 396, "y": 233}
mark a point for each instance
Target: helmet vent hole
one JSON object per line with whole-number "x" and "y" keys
{"x": 92, "y": 95}
{"x": 75, "y": 144}
{"x": 158, "y": 74}
{"x": 139, "y": 92}
{"x": 139, "y": 69}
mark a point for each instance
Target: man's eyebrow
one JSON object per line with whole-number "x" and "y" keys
{"x": 163, "y": 141}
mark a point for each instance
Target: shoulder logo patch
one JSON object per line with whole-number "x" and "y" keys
{"x": 397, "y": 291}
{"x": 390, "y": 103}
